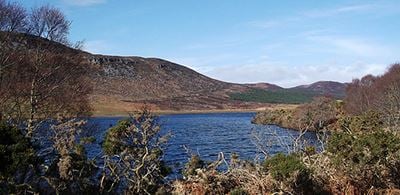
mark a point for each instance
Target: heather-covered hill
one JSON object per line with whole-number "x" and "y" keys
{"x": 123, "y": 84}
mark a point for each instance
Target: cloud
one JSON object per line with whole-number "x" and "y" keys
{"x": 84, "y": 2}
{"x": 266, "y": 24}
{"x": 312, "y": 14}
{"x": 340, "y": 10}
{"x": 290, "y": 76}
{"x": 352, "y": 46}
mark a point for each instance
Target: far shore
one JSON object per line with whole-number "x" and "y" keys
{"x": 101, "y": 113}
{"x": 163, "y": 112}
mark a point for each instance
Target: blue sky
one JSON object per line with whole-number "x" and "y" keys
{"x": 283, "y": 42}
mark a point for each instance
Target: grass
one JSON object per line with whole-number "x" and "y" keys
{"x": 283, "y": 96}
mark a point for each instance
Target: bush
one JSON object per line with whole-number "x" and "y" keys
{"x": 133, "y": 163}
{"x": 194, "y": 163}
{"x": 16, "y": 151}
{"x": 368, "y": 158}
{"x": 112, "y": 143}
{"x": 368, "y": 121}
{"x": 283, "y": 166}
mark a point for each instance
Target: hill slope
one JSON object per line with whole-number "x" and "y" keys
{"x": 123, "y": 84}
{"x": 325, "y": 88}
{"x": 134, "y": 81}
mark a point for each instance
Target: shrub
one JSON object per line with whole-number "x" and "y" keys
{"x": 194, "y": 163}
{"x": 16, "y": 151}
{"x": 367, "y": 121}
{"x": 133, "y": 163}
{"x": 368, "y": 158}
{"x": 282, "y": 166}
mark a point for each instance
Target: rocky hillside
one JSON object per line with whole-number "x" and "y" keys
{"x": 134, "y": 81}
{"x": 123, "y": 84}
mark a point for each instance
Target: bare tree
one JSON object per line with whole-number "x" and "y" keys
{"x": 14, "y": 17}
{"x": 380, "y": 94}
{"x": 55, "y": 84}
{"x": 50, "y": 23}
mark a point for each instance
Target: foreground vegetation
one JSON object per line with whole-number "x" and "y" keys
{"x": 44, "y": 99}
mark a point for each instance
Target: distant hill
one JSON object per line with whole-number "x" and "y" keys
{"x": 123, "y": 84}
{"x": 325, "y": 88}
{"x": 295, "y": 95}
{"x": 264, "y": 86}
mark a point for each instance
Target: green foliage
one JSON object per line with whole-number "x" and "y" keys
{"x": 369, "y": 158}
{"x": 112, "y": 143}
{"x": 367, "y": 121}
{"x": 364, "y": 148}
{"x": 194, "y": 163}
{"x": 284, "y": 96}
{"x": 283, "y": 166}
{"x": 16, "y": 151}
{"x": 238, "y": 191}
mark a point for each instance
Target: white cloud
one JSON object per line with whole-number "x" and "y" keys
{"x": 84, "y": 2}
{"x": 290, "y": 76}
{"x": 352, "y": 46}
{"x": 340, "y": 10}
{"x": 311, "y": 14}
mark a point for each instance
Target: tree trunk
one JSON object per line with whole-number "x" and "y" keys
{"x": 32, "y": 113}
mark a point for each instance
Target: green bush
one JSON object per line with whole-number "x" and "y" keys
{"x": 16, "y": 151}
{"x": 368, "y": 121}
{"x": 283, "y": 166}
{"x": 369, "y": 158}
{"x": 134, "y": 155}
{"x": 112, "y": 143}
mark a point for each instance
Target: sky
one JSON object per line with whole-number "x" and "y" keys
{"x": 284, "y": 42}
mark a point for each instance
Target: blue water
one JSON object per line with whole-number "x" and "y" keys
{"x": 207, "y": 135}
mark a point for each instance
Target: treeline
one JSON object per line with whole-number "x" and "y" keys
{"x": 283, "y": 96}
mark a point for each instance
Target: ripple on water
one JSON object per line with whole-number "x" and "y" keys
{"x": 207, "y": 135}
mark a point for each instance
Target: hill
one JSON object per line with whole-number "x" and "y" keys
{"x": 123, "y": 84}
{"x": 325, "y": 88}
{"x": 129, "y": 82}
{"x": 295, "y": 95}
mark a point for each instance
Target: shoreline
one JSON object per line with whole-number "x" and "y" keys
{"x": 168, "y": 112}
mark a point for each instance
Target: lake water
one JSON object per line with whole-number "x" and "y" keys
{"x": 209, "y": 134}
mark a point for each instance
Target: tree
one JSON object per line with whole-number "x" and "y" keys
{"x": 380, "y": 94}
{"x": 50, "y": 23}
{"x": 54, "y": 84}
{"x": 13, "y": 17}
{"x": 360, "y": 95}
